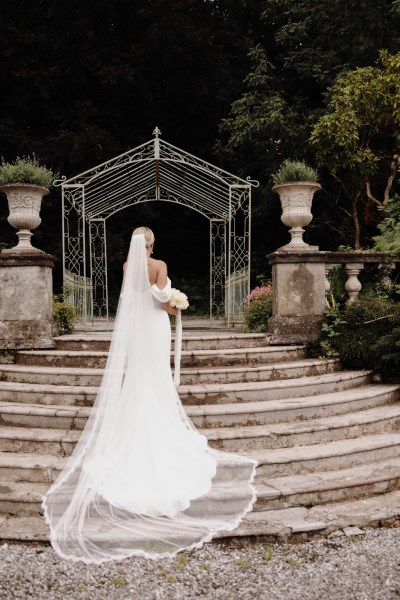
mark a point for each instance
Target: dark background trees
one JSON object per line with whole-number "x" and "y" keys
{"x": 237, "y": 82}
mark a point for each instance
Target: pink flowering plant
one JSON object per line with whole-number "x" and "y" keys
{"x": 258, "y": 307}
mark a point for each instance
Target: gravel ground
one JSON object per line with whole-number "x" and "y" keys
{"x": 340, "y": 568}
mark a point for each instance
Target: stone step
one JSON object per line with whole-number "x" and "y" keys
{"x": 326, "y": 457}
{"x": 37, "y": 440}
{"x": 273, "y": 525}
{"x": 44, "y": 468}
{"x": 332, "y": 456}
{"x": 195, "y": 358}
{"x": 61, "y": 442}
{"x": 292, "y": 409}
{"x": 194, "y": 326}
{"x": 92, "y": 377}
{"x": 21, "y": 498}
{"x": 194, "y": 394}
{"x": 272, "y": 390}
{"x": 25, "y": 414}
{"x": 25, "y": 498}
{"x": 30, "y": 468}
{"x": 361, "y": 481}
{"x": 299, "y": 522}
{"x": 301, "y": 433}
{"x": 190, "y": 342}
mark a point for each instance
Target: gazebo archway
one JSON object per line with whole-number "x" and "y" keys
{"x": 155, "y": 171}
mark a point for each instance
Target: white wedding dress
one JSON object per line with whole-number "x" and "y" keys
{"x": 142, "y": 480}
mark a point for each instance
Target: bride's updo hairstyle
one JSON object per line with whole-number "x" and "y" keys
{"x": 148, "y": 235}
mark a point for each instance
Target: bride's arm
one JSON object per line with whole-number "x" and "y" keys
{"x": 171, "y": 310}
{"x": 161, "y": 283}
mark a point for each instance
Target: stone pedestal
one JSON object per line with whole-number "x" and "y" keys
{"x": 298, "y": 297}
{"x": 26, "y": 300}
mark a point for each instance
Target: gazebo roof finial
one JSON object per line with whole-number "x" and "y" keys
{"x": 156, "y": 132}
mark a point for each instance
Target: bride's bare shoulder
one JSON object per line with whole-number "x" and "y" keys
{"x": 159, "y": 265}
{"x": 162, "y": 264}
{"x": 158, "y": 272}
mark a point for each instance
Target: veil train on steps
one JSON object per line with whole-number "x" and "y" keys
{"x": 142, "y": 480}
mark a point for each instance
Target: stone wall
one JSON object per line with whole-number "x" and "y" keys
{"x": 26, "y": 301}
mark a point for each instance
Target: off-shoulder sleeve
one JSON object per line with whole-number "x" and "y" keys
{"x": 162, "y": 295}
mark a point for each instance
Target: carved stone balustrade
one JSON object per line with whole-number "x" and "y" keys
{"x": 354, "y": 262}
{"x": 300, "y": 288}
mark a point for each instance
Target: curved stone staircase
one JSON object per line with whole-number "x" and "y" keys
{"x": 327, "y": 440}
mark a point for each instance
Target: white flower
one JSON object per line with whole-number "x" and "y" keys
{"x": 178, "y": 299}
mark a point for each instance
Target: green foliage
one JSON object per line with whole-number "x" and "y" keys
{"x": 330, "y": 330}
{"x": 363, "y": 110}
{"x": 357, "y": 139}
{"x": 387, "y": 349}
{"x": 317, "y": 39}
{"x": 64, "y": 314}
{"x": 337, "y": 278}
{"x": 119, "y": 582}
{"x": 264, "y": 123}
{"x": 294, "y": 170}
{"x": 388, "y": 239}
{"x": 4, "y": 246}
{"x": 293, "y": 563}
{"x": 183, "y": 562}
{"x": 258, "y": 309}
{"x": 26, "y": 170}
{"x": 365, "y": 334}
{"x": 307, "y": 46}
{"x": 268, "y": 554}
{"x": 168, "y": 577}
{"x": 243, "y": 562}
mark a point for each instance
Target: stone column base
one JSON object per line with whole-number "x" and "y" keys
{"x": 298, "y": 297}
{"x": 26, "y": 304}
{"x": 26, "y": 334}
{"x": 293, "y": 330}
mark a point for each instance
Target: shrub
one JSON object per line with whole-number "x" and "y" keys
{"x": 330, "y": 330}
{"x": 292, "y": 170}
{"x": 387, "y": 349}
{"x": 365, "y": 334}
{"x": 388, "y": 239}
{"x": 25, "y": 170}
{"x": 64, "y": 315}
{"x": 258, "y": 308}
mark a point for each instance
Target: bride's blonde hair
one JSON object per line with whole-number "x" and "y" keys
{"x": 148, "y": 235}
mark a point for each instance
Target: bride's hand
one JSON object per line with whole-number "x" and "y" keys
{"x": 171, "y": 310}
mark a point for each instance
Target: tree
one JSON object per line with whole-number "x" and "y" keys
{"x": 304, "y": 47}
{"x": 358, "y": 139}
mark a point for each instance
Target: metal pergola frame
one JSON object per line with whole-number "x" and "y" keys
{"x": 155, "y": 171}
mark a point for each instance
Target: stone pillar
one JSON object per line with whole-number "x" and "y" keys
{"x": 26, "y": 300}
{"x": 298, "y": 296}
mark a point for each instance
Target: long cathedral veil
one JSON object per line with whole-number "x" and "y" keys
{"x": 142, "y": 480}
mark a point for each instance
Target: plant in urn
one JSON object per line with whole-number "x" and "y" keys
{"x": 296, "y": 183}
{"x": 24, "y": 182}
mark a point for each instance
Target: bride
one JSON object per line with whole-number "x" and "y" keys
{"x": 142, "y": 480}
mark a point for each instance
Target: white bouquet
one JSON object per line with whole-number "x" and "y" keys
{"x": 178, "y": 299}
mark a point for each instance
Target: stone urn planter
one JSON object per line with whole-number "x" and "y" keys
{"x": 24, "y": 202}
{"x": 296, "y": 199}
